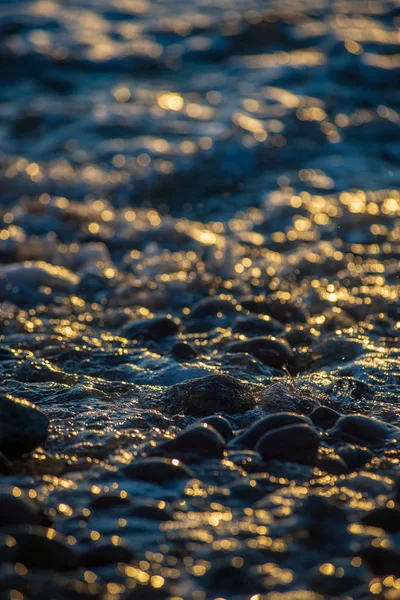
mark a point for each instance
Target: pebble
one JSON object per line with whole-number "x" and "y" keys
{"x": 278, "y": 398}
{"x": 210, "y": 394}
{"x": 250, "y": 437}
{"x": 324, "y": 417}
{"x": 211, "y": 306}
{"x": 359, "y": 429}
{"x": 296, "y": 443}
{"x": 157, "y": 470}
{"x": 33, "y": 275}
{"x": 22, "y": 426}
{"x": 285, "y": 312}
{"x": 156, "y": 328}
{"x": 252, "y": 325}
{"x": 110, "y": 501}
{"x": 383, "y": 517}
{"x": 17, "y": 510}
{"x": 355, "y": 456}
{"x": 108, "y": 553}
{"x": 152, "y": 510}
{"x": 248, "y": 460}
{"x": 42, "y": 548}
{"x": 382, "y": 561}
{"x": 270, "y": 351}
{"x": 197, "y": 440}
{"x": 183, "y": 351}
{"x": 221, "y": 424}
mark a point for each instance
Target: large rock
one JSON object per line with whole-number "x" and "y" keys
{"x": 209, "y": 395}
{"x": 22, "y": 426}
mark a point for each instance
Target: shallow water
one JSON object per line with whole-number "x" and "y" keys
{"x": 157, "y": 153}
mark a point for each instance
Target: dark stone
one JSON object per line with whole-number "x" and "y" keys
{"x": 152, "y": 510}
{"x": 156, "y": 328}
{"x": 8, "y": 549}
{"x": 247, "y": 492}
{"x": 285, "y": 312}
{"x": 41, "y": 548}
{"x": 221, "y": 424}
{"x": 332, "y": 464}
{"x": 210, "y": 394}
{"x": 356, "y": 388}
{"x": 107, "y": 553}
{"x": 359, "y": 429}
{"x": 110, "y": 501}
{"x": 293, "y": 443}
{"x": 250, "y": 437}
{"x": 198, "y": 440}
{"x": 40, "y": 371}
{"x": 355, "y": 457}
{"x": 252, "y": 325}
{"x": 383, "y": 517}
{"x": 278, "y": 398}
{"x": 248, "y": 460}
{"x": 157, "y": 470}
{"x": 211, "y": 306}
{"x": 382, "y": 561}
{"x": 324, "y": 417}
{"x": 270, "y": 351}
{"x": 18, "y": 510}
{"x": 183, "y": 351}
{"x": 22, "y": 426}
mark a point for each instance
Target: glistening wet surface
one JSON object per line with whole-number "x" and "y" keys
{"x": 199, "y": 279}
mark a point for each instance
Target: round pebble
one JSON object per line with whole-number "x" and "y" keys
{"x": 270, "y": 351}
{"x": 359, "y": 429}
{"x": 250, "y": 437}
{"x": 296, "y": 443}
{"x": 183, "y": 351}
{"x": 198, "y": 440}
{"x": 157, "y": 470}
{"x": 22, "y": 426}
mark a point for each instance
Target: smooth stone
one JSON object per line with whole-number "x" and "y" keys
{"x": 157, "y": 470}
{"x": 354, "y": 456}
{"x": 332, "y": 464}
{"x": 296, "y": 443}
{"x": 383, "y": 517}
{"x": 19, "y": 510}
{"x": 183, "y": 351}
{"x": 23, "y": 426}
{"x": 359, "y": 429}
{"x": 212, "y": 306}
{"x": 324, "y": 417}
{"x": 110, "y": 501}
{"x": 248, "y": 460}
{"x": 250, "y": 437}
{"x": 270, "y": 351}
{"x": 40, "y": 371}
{"x": 152, "y": 510}
{"x": 8, "y": 550}
{"x": 107, "y": 553}
{"x": 156, "y": 328}
{"x": 382, "y": 561}
{"x": 208, "y": 395}
{"x": 219, "y": 423}
{"x": 258, "y": 326}
{"x": 198, "y": 440}
{"x": 42, "y": 548}
{"x": 31, "y": 275}
{"x": 284, "y": 312}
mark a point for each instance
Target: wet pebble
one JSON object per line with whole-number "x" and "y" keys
{"x": 156, "y": 328}
{"x": 157, "y": 470}
{"x": 152, "y": 510}
{"x": 383, "y": 517}
{"x": 250, "y": 437}
{"x": 210, "y": 394}
{"x": 270, "y": 351}
{"x": 324, "y": 417}
{"x": 198, "y": 440}
{"x": 296, "y": 443}
{"x": 355, "y": 456}
{"x": 22, "y": 426}
{"x": 16, "y": 510}
{"x": 41, "y": 548}
{"x": 110, "y": 501}
{"x": 257, "y": 326}
{"x": 359, "y": 429}
{"x": 248, "y": 460}
{"x": 221, "y": 424}
{"x": 183, "y": 351}
{"x": 109, "y": 552}
{"x": 211, "y": 306}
